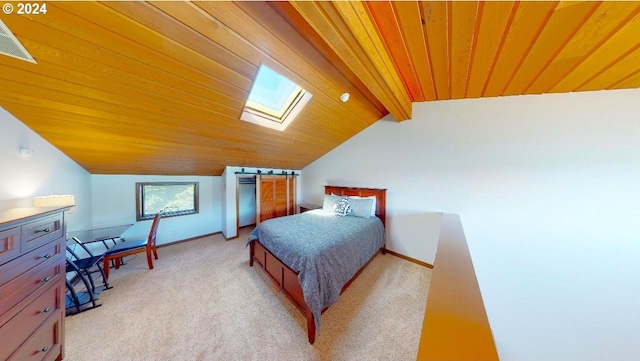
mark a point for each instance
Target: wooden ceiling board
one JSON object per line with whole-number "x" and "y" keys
{"x": 621, "y": 70}
{"x": 564, "y": 23}
{"x": 158, "y": 87}
{"x": 146, "y": 46}
{"x": 123, "y": 144}
{"x": 70, "y": 66}
{"x": 357, "y": 16}
{"x": 616, "y": 45}
{"x": 335, "y": 29}
{"x": 306, "y": 31}
{"x": 329, "y": 80}
{"x": 463, "y": 33}
{"x": 279, "y": 42}
{"x": 63, "y": 48}
{"x": 608, "y": 19}
{"x": 154, "y": 16}
{"x": 383, "y": 14}
{"x": 633, "y": 81}
{"x": 192, "y": 128}
{"x": 136, "y": 64}
{"x": 494, "y": 20}
{"x": 176, "y": 137}
{"x": 115, "y": 104}
{"x": 106, "y": 130}
{"x": 82, "y": 79}
{"x": 409, "y": 17}
{"x": 436, "y": 24}
{"x": 122, "y": 99}
{"x": 528, "y": 23}
{"x": 187, "y": 134}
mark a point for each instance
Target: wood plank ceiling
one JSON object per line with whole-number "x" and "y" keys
{"x": 158, "y": 87}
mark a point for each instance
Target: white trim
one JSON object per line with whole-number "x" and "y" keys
{"x": 255, "y": 118}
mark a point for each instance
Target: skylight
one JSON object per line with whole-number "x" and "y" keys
{"x": 274, "y": 100}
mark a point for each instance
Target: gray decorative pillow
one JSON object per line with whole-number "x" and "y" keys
{"x": 343, "y": 207}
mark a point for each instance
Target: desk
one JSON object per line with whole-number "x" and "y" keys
{"x": 103, "y": 235}
{"x": 99, "y": 234}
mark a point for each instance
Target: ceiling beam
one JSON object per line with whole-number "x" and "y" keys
{"x": 349, "y": 30}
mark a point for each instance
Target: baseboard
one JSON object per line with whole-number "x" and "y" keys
{"x": 188, "y": 239}
{"x": 229, "y": 239}
{"x": 425, "y": 264}
{"x": 238, "y": 235}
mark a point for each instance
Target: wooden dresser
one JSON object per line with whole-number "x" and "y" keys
{"x": 32, "y": 287}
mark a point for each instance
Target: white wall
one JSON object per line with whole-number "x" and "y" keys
{"x": 114, "y": 203}
{"x": 47, "y": 172}
{"x": 548, "y": 191}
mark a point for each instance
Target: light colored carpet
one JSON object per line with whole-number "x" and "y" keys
{"x": 203, "y": 302}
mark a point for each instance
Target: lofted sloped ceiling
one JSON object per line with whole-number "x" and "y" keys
{"x": 158, "y": 87}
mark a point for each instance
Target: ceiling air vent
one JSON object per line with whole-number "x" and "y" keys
{"x": 9, "y": 45}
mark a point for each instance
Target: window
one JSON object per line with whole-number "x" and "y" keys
{"x": 173, "y": 199}
{"x": 274, "y": 100}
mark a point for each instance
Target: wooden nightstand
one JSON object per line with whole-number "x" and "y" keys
{"x": 308, "y": 206}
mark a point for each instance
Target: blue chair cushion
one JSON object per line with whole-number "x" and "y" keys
{"x": 126, "y": 246}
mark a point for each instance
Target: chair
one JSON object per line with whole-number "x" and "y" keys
{"x": 128, "y": 248}
{"x": 79, "y": 296}
{"x": 89, "y": 265}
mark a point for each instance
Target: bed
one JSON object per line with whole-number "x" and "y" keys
{"x": 313, "y": 257}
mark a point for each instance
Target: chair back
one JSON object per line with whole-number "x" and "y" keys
{"x": 151, "y": 241}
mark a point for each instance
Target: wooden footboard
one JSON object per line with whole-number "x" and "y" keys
{"x": 285, "y": 280}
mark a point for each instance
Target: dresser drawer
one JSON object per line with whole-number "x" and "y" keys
{"x": 44, "y": 344}
{"x": 39, "y": 232}
{"x": 9, "y": 244}
{"x": 18, "y": 329}
{"x": 52, "y": 252}
{"x": 29, "y": 284}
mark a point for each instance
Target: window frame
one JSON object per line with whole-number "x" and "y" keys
{"x": 140, "y": 216}
{"x": 271, "y": 118}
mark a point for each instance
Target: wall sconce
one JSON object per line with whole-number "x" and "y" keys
{"x": 56, "y": 200}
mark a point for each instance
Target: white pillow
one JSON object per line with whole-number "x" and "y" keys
{"x": 360, "y": 207}
{"x": 329, "y": 203}
{"x": 373, "y": 204}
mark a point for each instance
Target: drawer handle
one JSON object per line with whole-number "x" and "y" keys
{"x": 46, "y": 310}
{"x": 47, "y": 256}
{"x": 46, "y": 230}
{"x": 44, "y": 349}
{"x": 47, "y": 279}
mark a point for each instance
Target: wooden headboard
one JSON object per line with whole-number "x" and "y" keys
{"x": 380, "y": 194}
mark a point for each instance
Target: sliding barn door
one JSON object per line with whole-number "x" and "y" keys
{"x": 275, "y": 197}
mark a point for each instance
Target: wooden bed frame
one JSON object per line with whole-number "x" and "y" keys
{"x": 286, "y": 280}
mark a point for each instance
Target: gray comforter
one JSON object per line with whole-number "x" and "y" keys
{"x": 325, "y": 249}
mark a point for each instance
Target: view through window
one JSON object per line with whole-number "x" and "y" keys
{"x": 173, "y": 199}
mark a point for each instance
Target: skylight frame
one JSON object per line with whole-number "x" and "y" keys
{"x": 279, "y": 119}
{"x": 276, "y": 113}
